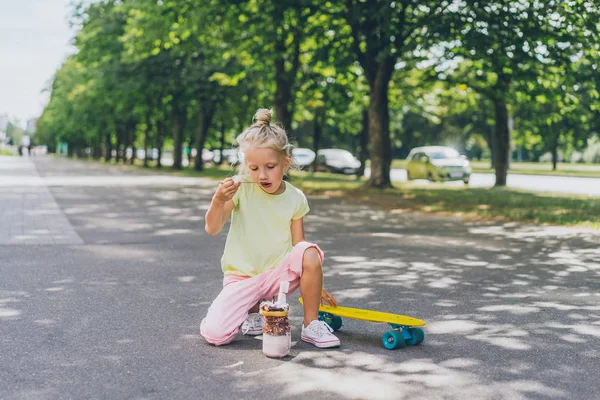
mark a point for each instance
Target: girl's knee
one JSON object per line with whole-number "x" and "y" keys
{"x": 215, "y": 333}
{"x": 312, "y": 259}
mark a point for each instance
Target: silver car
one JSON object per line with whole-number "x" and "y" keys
{"x": 337, "y": 161}
{"x": 303, "y": 157}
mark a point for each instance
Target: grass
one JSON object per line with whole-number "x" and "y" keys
{"x": 6, "y": 152}
{"x": 470, "y": 203}
{"x": 530, "y": 168}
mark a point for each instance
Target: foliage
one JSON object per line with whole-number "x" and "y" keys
{"x": 479, "y": 76}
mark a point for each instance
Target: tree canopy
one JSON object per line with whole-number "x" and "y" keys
{"x": 375, "y": 77}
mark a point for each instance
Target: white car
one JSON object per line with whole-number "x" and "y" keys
{"x": 337, "y": 161}
{"x": 230, "y": 156}
{"x": 303, "y": 157}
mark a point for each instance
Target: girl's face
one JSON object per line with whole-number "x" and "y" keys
{"x": 267, "y": 167}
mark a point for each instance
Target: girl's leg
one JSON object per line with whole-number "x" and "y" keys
{"x": 302, "y": 268}
{"x": 311, "y": 284}
{"x": 229, "y": 310}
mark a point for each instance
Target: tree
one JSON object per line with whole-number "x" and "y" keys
{"x": 511, "y": 42}
{"x": 271, "y": 33}
{"x": 385, "y": 32}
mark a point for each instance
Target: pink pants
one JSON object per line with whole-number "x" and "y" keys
{"x": 241, "y": 293}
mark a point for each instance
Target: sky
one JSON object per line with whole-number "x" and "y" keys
{"x": 34, "y": 41}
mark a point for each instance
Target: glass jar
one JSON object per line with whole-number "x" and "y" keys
{"x": 277, "y": 338}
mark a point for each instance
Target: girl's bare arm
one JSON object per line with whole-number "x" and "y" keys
{"x": 297, "y": 231}
{"x": 220, "y": 207}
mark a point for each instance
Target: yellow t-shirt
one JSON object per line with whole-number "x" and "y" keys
{"x": 260, "y": 235}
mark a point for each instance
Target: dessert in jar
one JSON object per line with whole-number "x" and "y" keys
{"x": 277, "y": 338}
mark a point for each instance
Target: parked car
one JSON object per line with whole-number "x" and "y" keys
{"x": 337, "y": 161}
{"x": 207, "y": 155}
{"x": 303, "y": 157}
{"x": 437, "y": 163}
{"x": 230, "y": 156}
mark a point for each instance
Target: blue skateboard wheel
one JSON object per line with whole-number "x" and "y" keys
{"x": 393, "y": 340}
{"x": 416, "y": 336}
{"x": 336, "y": 322}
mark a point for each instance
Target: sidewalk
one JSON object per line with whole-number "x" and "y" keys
{"x": 29, "y": 214}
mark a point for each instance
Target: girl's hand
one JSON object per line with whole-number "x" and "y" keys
{"x": 226, "y": 190}
{"x": 328, "y": 298}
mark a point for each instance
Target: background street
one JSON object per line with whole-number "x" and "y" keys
{"x": 105, "y": 275}
{"x": 535, "y": 183}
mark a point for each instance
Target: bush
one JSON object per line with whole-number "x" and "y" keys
{"x": 547, "y": 157}
{"x": 576, "y": 157}
{"x": 592, "y": 153}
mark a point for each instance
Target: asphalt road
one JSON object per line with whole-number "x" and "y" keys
{"x": 112, "y": 310}
{"x": 536, "y": 183}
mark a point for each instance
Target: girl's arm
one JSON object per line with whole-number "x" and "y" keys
{"x": 297, "y": 231}
{"x": 220, "y": 207}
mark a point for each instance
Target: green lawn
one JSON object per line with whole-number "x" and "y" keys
{"x": 470, "y": 203}
{"x": 530, "y": 168}
{"x": 6, "y": 152}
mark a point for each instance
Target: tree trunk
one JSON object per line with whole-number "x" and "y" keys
{"x": 178, "y": 123}
{"x": 501, "y": 142}
{"x": 160, "y": 134}
{"x": 491, "y": 144}
{"x": 97, "y": 152}
{"x": 147, "y": 134}
{"x": 132, "y": 130}
{"x": 363, "y": 154}
{"x": 285, "y": 79}
{"x": 317, "y": 133}
{"x": 205, "y": 119}
{"x": 554, "y": 152}
{"x": 283, "y": 93}
{"x": 107, "y": 147}
{"x": 380, "y": 145}
{"x": 119, "y": 130}
{"x": 221, "y": 144}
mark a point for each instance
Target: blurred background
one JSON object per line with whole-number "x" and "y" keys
{"x": 502, "y": 85}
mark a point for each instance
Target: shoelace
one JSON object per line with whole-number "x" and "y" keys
{"x": 255, "y": 322}
{"x": 319, "y": 328}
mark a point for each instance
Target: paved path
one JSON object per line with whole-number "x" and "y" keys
{"x": 28, "y": 213}
{"x": 513, "y": 311}
{"x": 581, "y": 186}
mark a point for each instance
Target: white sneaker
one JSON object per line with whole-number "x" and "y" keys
{"x": 253, "y": 324}
{"x": 320, "y": 334}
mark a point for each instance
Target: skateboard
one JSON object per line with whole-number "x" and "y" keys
{"x": 405, "y": 330}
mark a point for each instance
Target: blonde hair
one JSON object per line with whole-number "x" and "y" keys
{"x": 263, "y": 134}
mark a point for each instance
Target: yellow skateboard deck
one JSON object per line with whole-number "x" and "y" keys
{"x": 405, "y": 330}
{"x": 370, "y": 315}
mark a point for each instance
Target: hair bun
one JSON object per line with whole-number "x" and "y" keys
{"x": 263, "y": 116}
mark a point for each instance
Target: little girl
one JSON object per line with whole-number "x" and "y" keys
{"x": 265, "y": 244}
